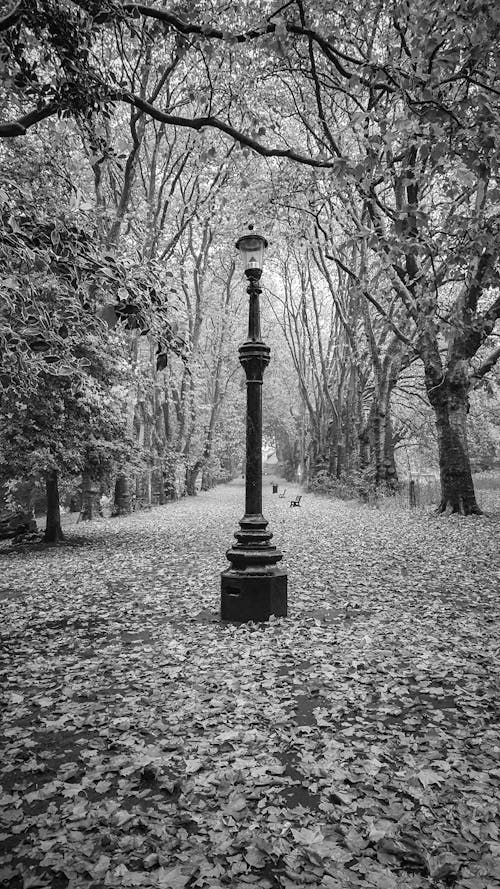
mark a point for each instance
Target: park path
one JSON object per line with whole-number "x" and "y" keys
{"x": 352, "y": 743}
{"x": 334, "y": 551}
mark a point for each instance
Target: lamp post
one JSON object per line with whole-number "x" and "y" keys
{"x": 253, "y": 587}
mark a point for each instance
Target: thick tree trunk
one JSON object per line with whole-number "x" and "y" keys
{"x": 312, "y": 459}
{"x": 371, "y": 441}
{"x": 339, "y": 463}
{"x": 170, "y": 483}
{"x": 143, "y": 490}
{"x": 90, "y": 498}
{"x": 191, "y": 476}
{"x": 123, "y": 503}
{"x": 390, "y": 470}
{"x": 378, "y": 441}
{"x": 364, "y": 447}
{"x": 381, "y": 443}
{"x": 383, "y": 446}
{"x": 457, "y": 487}
{"x": 157, "y": 486}
{"x": 53, "y": 530}
{"x": 207, "y": 479}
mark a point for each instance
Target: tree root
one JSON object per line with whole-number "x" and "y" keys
{"x": 458, "y": 507}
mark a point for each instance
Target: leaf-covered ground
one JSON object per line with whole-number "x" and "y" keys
{"x": 353, "y": 744}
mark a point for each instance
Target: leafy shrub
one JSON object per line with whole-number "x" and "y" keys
{"x": 341, "y": 488}
{"x": 356, "y": 485}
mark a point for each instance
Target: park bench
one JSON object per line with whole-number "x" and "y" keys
{"x": 297, "y": 500}
{"x": 282, "y": 495}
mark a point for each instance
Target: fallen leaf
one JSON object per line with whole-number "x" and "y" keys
{"x": 427, "y": 777}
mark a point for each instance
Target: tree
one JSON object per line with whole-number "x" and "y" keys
{"x": 59, "y": 360}
{"x": 417, "y": 162}
{"x": 397, "y": 106}
{"x": 347, "y": 360}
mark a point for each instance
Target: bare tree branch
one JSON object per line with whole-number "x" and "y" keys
{"x": 394, "y": 327}
{"x": 197, "y": 123}
{"x": 19, "y": 127}
{"x": 334, "y": 55}
{"x": 485, "y": 367}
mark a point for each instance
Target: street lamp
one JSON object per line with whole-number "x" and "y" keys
{"x": 253, "y": 587}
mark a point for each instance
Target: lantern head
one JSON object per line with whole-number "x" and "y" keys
{"x": 252, "y": 249}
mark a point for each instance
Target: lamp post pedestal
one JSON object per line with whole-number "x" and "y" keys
{"x": 251, "y": 596}
{"x": 253, "y": 587}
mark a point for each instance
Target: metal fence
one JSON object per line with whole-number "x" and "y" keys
{"x": 424, "y": 492}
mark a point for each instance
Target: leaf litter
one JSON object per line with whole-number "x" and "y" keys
{"x": 353, "y": 744}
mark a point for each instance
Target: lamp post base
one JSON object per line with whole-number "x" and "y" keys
{"x": 253, "y": 595}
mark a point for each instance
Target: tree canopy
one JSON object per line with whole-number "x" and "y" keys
{"x": 368, "y": 133}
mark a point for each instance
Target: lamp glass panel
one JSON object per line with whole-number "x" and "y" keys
{"x": 253, "y": 260}
{"x": 252, "y": 251}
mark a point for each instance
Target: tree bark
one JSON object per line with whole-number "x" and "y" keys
{"x": 390, "y": 469}
{"x": 382, "y": 444}
{"x": 364, "y": 446}
{"x": 207, "y": 479}
{"x": 90, "y": 498}
{"x": 448, "y": 391}
{"x": 191, "y": 476}
{"x": 457, "y": 487}
{"x": 157, "y": 486}
{"x": 123, "y": 504}
{"x": 143, "y": 490}
{"x": 170, "y": 482}
{"x": 53, "y": 530}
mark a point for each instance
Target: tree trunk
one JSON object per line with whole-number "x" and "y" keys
{"x": 390, "y": 470}
{"x": 380, "y": 445}
{"x": 457, "y": 487}
{"x": 379, "y": 432}
{"x": 157, "y": 486}
{"x": 170, "y": 483}
{"x": 207, "y": 479}
{"x": 364, "y": 446}
{"x": 123, "y": 504}
{"x": 90, "y": 498}
{"x": 191, "y": 476}
{"x": 53, "y": 530}
{"x": 143, "y": 490}
{"x": 312, "y": 459}
{"x": 370, "y": 439}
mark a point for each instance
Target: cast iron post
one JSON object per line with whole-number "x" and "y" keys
{"x": 253, "y": 587}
